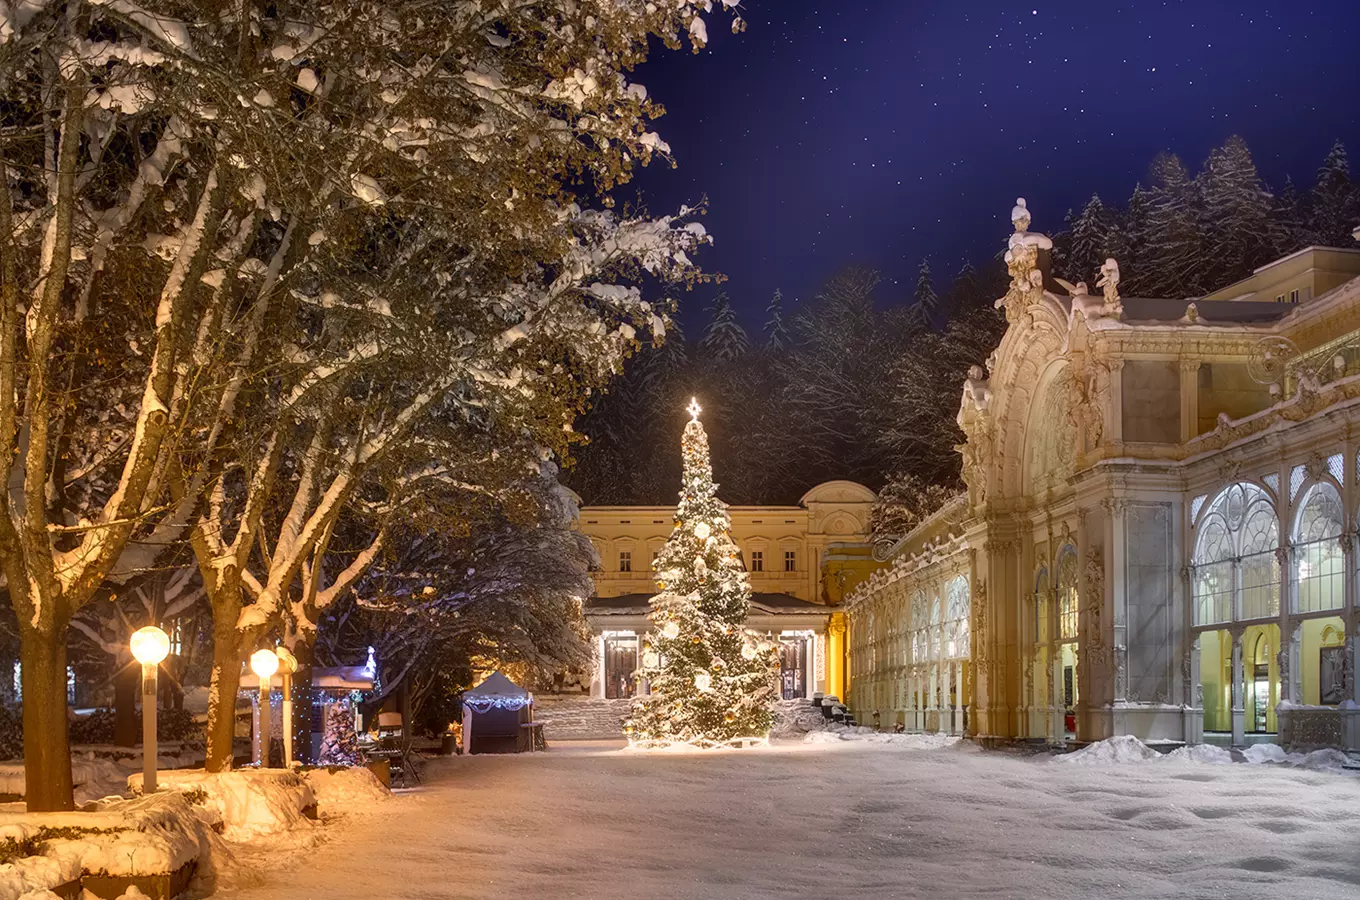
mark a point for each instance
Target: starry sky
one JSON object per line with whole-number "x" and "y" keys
{"x": 884, "y": 131}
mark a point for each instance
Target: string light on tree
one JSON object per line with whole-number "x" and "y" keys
{"x": 713, "y": 683}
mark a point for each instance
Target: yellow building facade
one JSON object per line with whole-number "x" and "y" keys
{"x": 1158, "y": 533}
{"x": 802, "y": 560}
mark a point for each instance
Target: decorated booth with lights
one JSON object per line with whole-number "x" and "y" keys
{"x": 498, "y": 717}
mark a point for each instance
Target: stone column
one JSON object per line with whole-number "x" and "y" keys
{"x": 958, "y": 697}
{"x": 1056, "y": 732}
{"x": 1239, "y": 712}
{"x": 1189, "y": 398}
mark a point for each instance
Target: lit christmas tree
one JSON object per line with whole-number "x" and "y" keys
{"x": 713, "y": 682}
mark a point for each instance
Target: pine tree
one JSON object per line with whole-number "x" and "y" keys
{"x": 339, "y": 744}
{"x": 1289, "y": 229}
{"x": 924, "y": 300}
{"x": 1094, "y": 238}
{"x": 724, "y": 340}
{"x": 1173, "y": 249}
{"x": 1334, "y": 201}
{"x": 712, "y": 681}
{"x": 776, "y": 334}
{"x": 1235, "y": 220}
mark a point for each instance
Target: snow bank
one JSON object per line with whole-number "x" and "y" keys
{"x": 144, "y": 836}
{"x": 250, "y": 802}
{"x": 93, "y": 777}
{"x": 1128, "y": 749}
{"x": 1122, "y": 749}
{"x": 344, "y": 789}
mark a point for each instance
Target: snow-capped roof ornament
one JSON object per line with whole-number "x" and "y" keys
{"x": 694, "y": 409}
{"x": 1020, "y": 217}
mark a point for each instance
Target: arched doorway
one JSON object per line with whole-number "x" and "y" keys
{"x": 1065, "y": 662}
{"x": 1262, "y": 717}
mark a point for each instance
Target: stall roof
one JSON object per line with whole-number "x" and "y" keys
{"x": 496, "y": 685}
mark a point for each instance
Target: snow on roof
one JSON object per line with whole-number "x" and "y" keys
{"x": 495, "y": 685}
{"x": 337, "y": 678}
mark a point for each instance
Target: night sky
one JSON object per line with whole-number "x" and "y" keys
{"x": 883, "y": 132}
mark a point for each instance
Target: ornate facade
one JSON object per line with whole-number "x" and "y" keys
{"x": 1157, "y": 536}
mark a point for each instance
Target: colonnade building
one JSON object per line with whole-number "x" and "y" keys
{"x": 1158, "y": 532}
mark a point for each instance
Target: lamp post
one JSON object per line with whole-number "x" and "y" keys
{"x": 149, "y": 646}
{"x": 287, "y": 666}
{"x": 264, "y": 663}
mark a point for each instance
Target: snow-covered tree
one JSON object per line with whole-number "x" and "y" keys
{"x": 504, "y": 590}
{"x": 724, "y": 339}
{"x": 1172, "y": 249}
{"x": 1236, "y": 215}
{"x": 711, "y": 679}
{"x": 776, "y": 332}
{"x": 903, "y": 502}
{"x": 1334, "y": 201}
{"x": 1289, "y": 229}
{"x": 924, "y": 300}
{"x": 1094, "y": 237}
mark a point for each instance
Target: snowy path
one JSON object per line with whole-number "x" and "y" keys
{"x": 845, "y": 820}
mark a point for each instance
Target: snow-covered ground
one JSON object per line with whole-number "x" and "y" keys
{"x": 876, "y": 816}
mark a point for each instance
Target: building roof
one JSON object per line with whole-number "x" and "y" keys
{"x": 635, "y": 604}
{"x": 1239, "y": 312}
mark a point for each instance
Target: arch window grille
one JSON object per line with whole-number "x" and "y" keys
{"x": 956, "y": 627}
{"x": 920, "y": 636}
{"x": 1067, "y": 594}
{"x": 1317, "y": 559}
{"x": 936, "y": 627}
{"x": 1235, "y": 572}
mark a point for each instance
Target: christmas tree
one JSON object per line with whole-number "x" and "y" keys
{"x": 339, "y": 744}
{"x": 712, "y": 682}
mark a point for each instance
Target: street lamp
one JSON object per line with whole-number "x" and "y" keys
{"x": 149, "y": 646}
{"x": 287, "y": 666}
{"x": 264, "y": 663}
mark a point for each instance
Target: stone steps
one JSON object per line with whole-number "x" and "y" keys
{"x": 568, "y": 718}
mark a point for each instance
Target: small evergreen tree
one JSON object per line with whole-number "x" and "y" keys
{"x": 1289, "y": 228}
{"x": 339, "y": 743}
{"x": 1094, "y": 238}
{"x": 1173, "y": 243}
{"x": 1334, "y": 201}
{"x": 725, "y": 339}
{"x": 1236, "y": 215}
{"x": 776, "y": 334}
{"x": 712, "y": 681}
{"x": 924, "y": 299}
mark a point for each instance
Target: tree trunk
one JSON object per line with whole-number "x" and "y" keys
{"x": 226, "y": 681}
{"x": 126, "y": 685}
{"x": 303, "y": 695}
{"x": 47, "y": 748}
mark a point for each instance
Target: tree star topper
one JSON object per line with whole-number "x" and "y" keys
{"x": 694, "y": 409}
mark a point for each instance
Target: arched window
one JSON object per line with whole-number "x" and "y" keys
{"x": 1067, "y": 594}
{"x": 1318, "y": 560}
{"x": 956, "y": 628}
{"x": 1041, "y": 590}
{"x": 936, "y": 627}
{"x": 1236, "y": 572}
{"x": 920, "y": 620}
